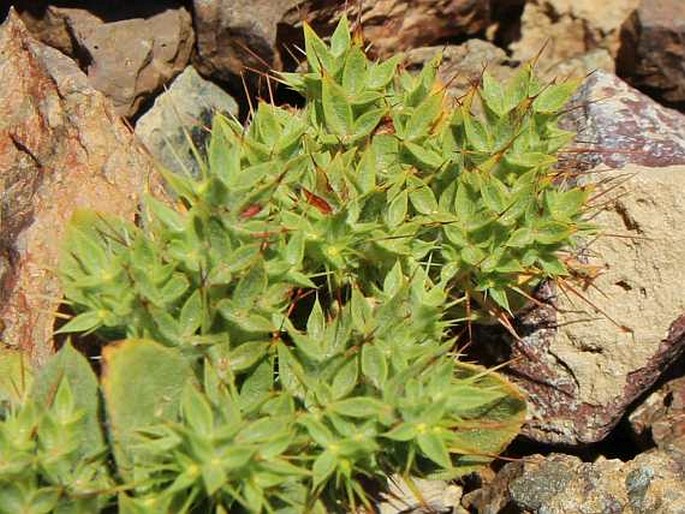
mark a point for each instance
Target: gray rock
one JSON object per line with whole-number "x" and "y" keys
{"x": 652, "y": 483}
{"x": 185, "y": 109}
{"x": 652, "y": 55}
{"x": 62, "y": 147}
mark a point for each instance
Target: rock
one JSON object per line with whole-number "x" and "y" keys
{"x": 394, "y": 25}
{"x": 584, "y": 360}
{"x": 186, "y": 108}
{"x": 131, "y": 59}
{"x": 462, "y": 64}
{"x": 234, "y": 36}
{"x": 660, "y": 419}
{"x": 568, "y": 29}
{"x": 618, "y": 125}
{"x": 560, "y": 484}
{"x": 652, "y": 54}
{"x": 61, "y": 147}
{"x": 61, "y": 27}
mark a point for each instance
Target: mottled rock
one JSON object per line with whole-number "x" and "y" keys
{"x": 652, "y": 54}
{"x": 568, "y": 29}
{"x": 660, "y": 419}
{"x": 462, "y": 65}
{"x": 185, "y": 109}
{"x": 618, "y": 125}
{"x": 61, "y": 147}
{"x": 560, "y": 484}
{"x": 394, "y": 25}
{"x": 131, "y": 59}
{"x": 234, "y": 36}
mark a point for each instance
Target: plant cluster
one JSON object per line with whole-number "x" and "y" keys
{"x": 289, "y": 325}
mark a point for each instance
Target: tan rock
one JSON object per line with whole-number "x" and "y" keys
{"x": 61, "y": 147}
{"x": 568, "y": 29}
{"x": 132, "y": 59}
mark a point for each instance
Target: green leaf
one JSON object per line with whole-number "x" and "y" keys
{"x": 318, "y": 54}
{"x": 354, "y": 72}
{"x": 425, "y": 115}
{"x": 433, "y": 447}
{"x": 197, "y": 411}
{"x": 397, "y": 210}
{"x": 521, "y": 238}
{"x": 340, "y": 40}
{"x": 374, "y": 365}
{"x": 161, "y": 374}
{"x": 422, "y": 197}
{"x": 337, "y": 110}
{"x": 84, "y": 322}
{"x": 247, "y": 354}
{"x": 358, "y": 407}
{"x": 423, "y": 157}
{"x": 380, "y": 75}
{"x": 367, "y": 122}
{"x": 323, "y": 468}
{"x": 345, "y": 379}
{"x": 361, "y": 312}
{"x": 393, "y": 280}
{"x": 555, "y": 96}
{"x": 316, "y": 322}
{"x": 192, "y": 313}
{"x": 402, "y": 432}
{"x": 251, "y": 286}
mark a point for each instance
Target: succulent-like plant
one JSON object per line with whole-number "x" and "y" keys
{"x": 290, "y": 322}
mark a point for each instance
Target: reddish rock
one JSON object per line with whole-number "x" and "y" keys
{"x": 617, "y": 125}
{"x": 61, "y": 147}
{"x": 652, "y": 55}
{"x": 395, "y": 25}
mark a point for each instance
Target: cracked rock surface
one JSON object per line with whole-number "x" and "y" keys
{"x": 61, "y": 146}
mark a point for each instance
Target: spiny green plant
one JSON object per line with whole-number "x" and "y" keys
{"x": 289, "y": 324}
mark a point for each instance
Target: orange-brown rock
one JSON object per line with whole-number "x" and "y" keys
{"x": 61, "y": 147}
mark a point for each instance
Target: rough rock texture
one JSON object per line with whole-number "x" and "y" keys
{"x": 618, "y": 125}
{"x": 131, "y": 59}
{"x": 187, "y": 108}
{"x": 582, "y": 366}
{"x": 234, "y": 36}
{"x": 660, "y": 419}
{"x": 394, "y": 25}
{"x": 462, "y": 64}
{"x": 61, "y": 147}
{"x": 61, "y": 27}
{"x": 652, "y": 55}
{"x": 568, "y": 29}
{"x": 561, "y": 484}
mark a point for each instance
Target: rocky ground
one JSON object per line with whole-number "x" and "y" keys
{"x": 94, "y": 95}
